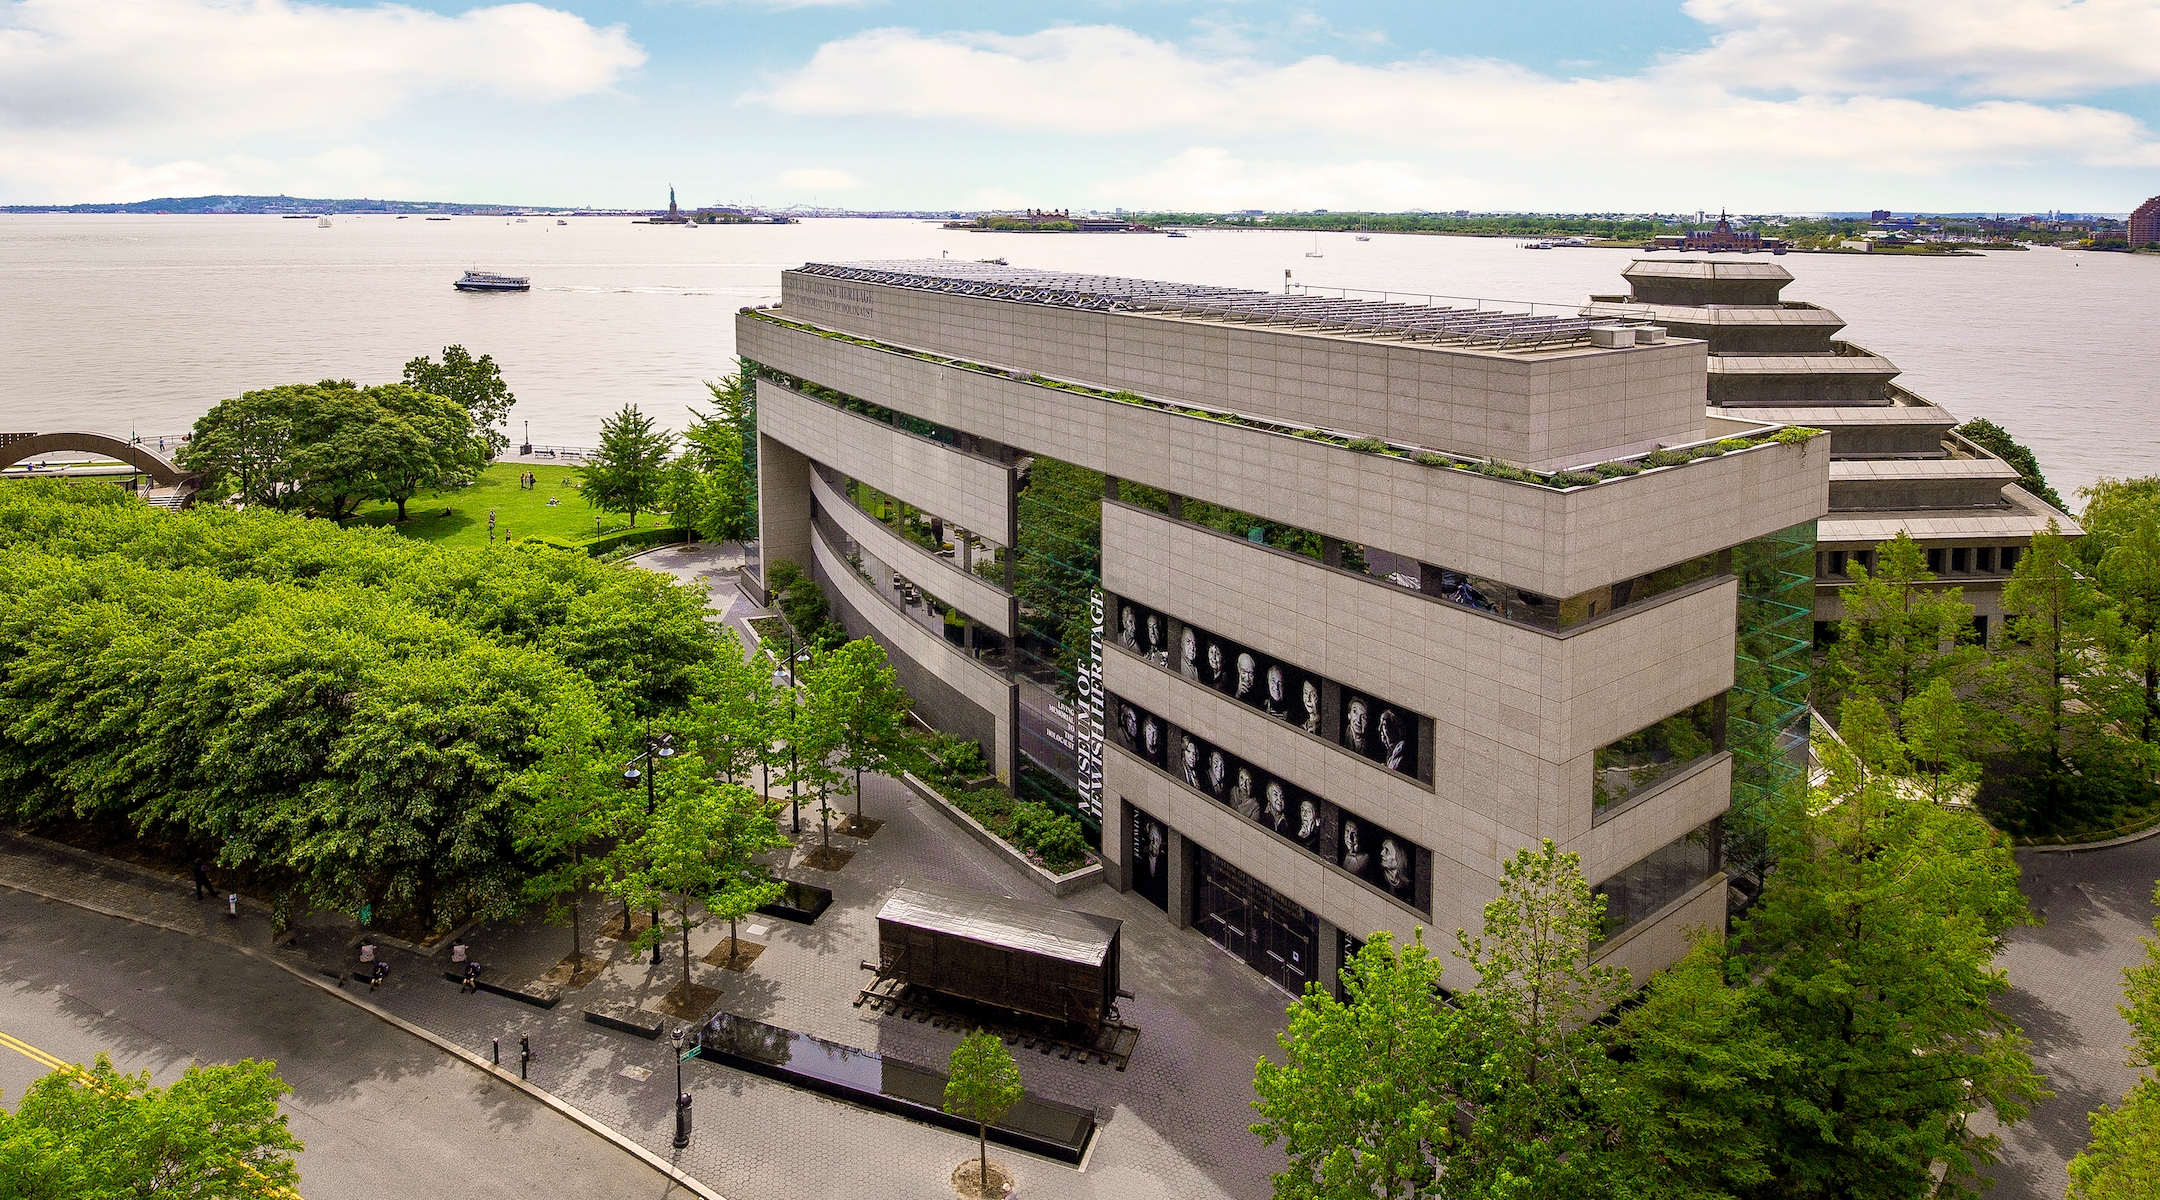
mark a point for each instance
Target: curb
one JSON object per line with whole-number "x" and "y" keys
{"x": 2074, "y": 847}
{"x": 621, "y": 1142}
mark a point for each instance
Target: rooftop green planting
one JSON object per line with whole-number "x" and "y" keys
{"x": 1565, "y": 480}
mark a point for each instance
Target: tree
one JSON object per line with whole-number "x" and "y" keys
{"x": 1997, "y": 441}
{"x": 575, "y": 803}
{"x": 425, "y": 442}
{"x": 702, "y": 842}
{"x": 96, "y": 1132}
{"x": 815, "y": 734}
{"x": 2051, "y": 679}
{"x": 1364, "y": 1103}
{"x": 1540, "y": 1058}
{"x": 981, "y": 1083}
{"x": 2123, "y": 1161}
{"x": 2129, "y": 575}
{"x": 735, "y": 711}
{"x": 1689, "y": 1099}
{"x": 802, "y": 601}
{"x": 628, "y": 472}
{"x": 712, "y": 484}
{"x": 327, "y": 447}
{"x": 1871, "y": 954}
{"x": 861, "y": 696}
{"x": 1901, "y": 631}
{"x": 473, "y": 384}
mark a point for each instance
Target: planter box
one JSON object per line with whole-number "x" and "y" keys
{"x": 636, "y": 1022}
{"x": 1056, "y": 885}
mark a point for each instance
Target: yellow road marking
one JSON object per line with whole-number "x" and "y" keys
{"x": 55, "y": 1064}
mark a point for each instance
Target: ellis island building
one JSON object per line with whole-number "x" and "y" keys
{"x": 1313, "y": 610}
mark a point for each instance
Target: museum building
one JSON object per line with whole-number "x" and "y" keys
{"x": 1312, "y": 609}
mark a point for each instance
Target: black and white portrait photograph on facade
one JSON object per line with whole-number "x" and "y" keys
{"x": 1188, "y": 653}
{"x": 1396, "y": 868}
{"x": 1275, "y": 807}
{"x": 1357, "y": 723}
{"x": 1129, "y": 726}
{"x": 1356, "y": 855}
{"x": 1158, "y": 640}
{"x": 1218, "y": 775}
{"x": 1275, "y": 691}
{"x": 1244, "y": 797}
{"x": 1308, "y": 714}
{"x": 1151, "y": 859}
{"x": 1246, "y": 689}
{"x": 1128, "y": 621}
{"x": 1380, "y": 732}
{"x": 1398, "y": 747}
{"x": 1189, "y": 758}
{"x": 1152, "y": 742}
{"x": 1216, "y": 666}
{"x": 1311, "y": 829}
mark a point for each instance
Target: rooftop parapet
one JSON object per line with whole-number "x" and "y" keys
{"x": 1693, "y": 282}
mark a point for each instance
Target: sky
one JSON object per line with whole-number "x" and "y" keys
{"x": 1613, "y": 105}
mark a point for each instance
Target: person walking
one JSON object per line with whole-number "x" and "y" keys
{"x": 471, "y": 982}
{"x": 202, "y": 880}
{"x": 382, "y": 972}
{"x": 232, "y": 904}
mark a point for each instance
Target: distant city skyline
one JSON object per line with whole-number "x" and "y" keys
{"x": 2002, "y": 105}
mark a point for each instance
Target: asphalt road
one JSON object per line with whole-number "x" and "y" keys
{"x": 383, "y": 1113}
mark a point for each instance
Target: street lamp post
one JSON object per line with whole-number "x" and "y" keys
{"x": 682, "y": 1098}
{"x": 657, "y": 750}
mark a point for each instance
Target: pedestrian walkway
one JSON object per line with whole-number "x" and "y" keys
{"x": 2066, "y": 977}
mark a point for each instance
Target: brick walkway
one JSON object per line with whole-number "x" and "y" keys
{"x": 2067, "y": 977}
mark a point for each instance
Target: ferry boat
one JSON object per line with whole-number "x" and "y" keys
{"x": 488, "y": 281}
{"x": 1175, "y": 233}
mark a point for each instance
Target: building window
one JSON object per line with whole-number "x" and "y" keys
{"x": 2010, "y": 556}
{"x": 1985, "y": 559}
{"x": 1375, "y": 729}
{"x": 1379, "y": 858}
{"x": 1666, "y": 874}
{"x": 1658, "y": 751}
{"x": 1961, "y": 559}
{"x": 1935, "y": 562}
{"x": 1833, "y": 564}
{"x": 1057, "y": 658}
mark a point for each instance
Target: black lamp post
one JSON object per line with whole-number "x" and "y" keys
{"x": 657, "y": 750}
{"x": 682, "y": 1098}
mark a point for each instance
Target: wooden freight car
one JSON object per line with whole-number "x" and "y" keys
{"x": 1030, "y": 959}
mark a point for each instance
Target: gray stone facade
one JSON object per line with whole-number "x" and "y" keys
{"x": 942, "y": 400}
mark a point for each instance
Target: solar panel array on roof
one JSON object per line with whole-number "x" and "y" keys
{"x": 1111, "y": 293}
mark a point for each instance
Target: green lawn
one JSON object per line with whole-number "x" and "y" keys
{"x": 518, "y": 513}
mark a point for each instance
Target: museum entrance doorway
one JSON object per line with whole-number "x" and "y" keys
{"x": 1253, "y": 921}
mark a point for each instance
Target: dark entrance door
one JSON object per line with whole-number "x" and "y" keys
{"x": 1273, "y": 934}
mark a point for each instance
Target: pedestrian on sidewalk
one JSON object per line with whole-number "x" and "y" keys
{"x": 471, "y": 982}
{"x": 202, "y": 879}
{"x": 367, "y": 951}
{"x": 382, "y": 972}
{"x": 232, "y": 904}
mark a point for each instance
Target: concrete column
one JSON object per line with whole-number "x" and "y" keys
{"x": 1117, "y": 839}
{"x": 1327, "y": 960}
{"x": 1182, "y": 882}
{"x": 783, "y": 507}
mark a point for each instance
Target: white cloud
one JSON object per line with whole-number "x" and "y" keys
{"x": 1396, "y": 124}
{"x": 234, "y": 67}
{"x": 85, "y": 85}
{"x": 2030, "y": 49}
{"x": 819, "y": 179}
{"x": 1212, "y": 179}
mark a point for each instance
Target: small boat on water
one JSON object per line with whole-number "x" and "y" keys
{"x": 438, "y": 218}
{"x": 488, "y": 281}
{"x": 322, "y": 222}
{"x": 560, "y": 221}
{"x": 1361, "y": 237}
{"x": 1175, "y": 233}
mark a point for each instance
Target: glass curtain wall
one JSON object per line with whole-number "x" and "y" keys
{"x": 1057, "y": 658}
{"x": 1767, "y": 718}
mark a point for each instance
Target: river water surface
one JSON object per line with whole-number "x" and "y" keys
{"x": 140, "y": 323}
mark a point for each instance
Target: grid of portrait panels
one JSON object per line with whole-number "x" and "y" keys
{"x": 1387, "y": 861}
{"x": 1385, "y": 733}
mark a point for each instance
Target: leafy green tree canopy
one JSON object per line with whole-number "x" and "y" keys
{"x": 981, "y": 1082}
{"x": 473, "y": 384}
{"x": 628, "y": 473}
{"x": 95, "y": 1132}
{"x": 1997, "y": 441}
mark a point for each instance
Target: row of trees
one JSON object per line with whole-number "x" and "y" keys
{"x": 2064, "y": 710}
{"x": 1839, "y": 1045}
{"x": 326, "y": 448}
{"x": 97, "y": 1132}
{"x": 710, "y": 486}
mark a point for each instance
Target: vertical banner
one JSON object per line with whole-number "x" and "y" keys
{"x": 1088, "y": 715}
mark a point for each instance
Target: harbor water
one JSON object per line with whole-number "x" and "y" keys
{"x": 123, "y": 324}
